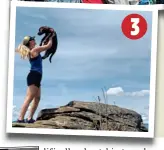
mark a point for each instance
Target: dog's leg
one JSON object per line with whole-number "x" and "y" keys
{"x": 54, "y": 46}
{"x": 41, "y": 43}
{"x": 45, "y": 40}
{"x": 47, "y": 53}
{"x": 48, "y": 36}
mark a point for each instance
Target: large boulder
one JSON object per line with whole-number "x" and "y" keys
{"x": 88, "y": 116}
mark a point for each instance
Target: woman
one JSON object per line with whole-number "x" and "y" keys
{"x": 28, "y": 50}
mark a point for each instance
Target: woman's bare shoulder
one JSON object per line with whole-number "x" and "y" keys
{"x": 34, "y": 52}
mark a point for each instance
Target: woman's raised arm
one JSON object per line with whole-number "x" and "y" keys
{"x": 43, "y": 47}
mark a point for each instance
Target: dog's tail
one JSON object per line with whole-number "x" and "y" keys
{"x": 51, "y": 57}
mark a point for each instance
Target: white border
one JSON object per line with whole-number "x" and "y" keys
{"x": 10, "y": 129}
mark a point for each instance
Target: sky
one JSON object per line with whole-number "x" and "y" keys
{"x": 92, "y": 53}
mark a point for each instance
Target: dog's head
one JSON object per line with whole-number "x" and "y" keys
{"x": 44, "y": 29}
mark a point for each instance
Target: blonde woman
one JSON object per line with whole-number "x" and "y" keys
{"x": 29, "y": 50}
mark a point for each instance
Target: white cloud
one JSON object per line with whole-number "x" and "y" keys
{"x": 118, "y": 91}
{"x": 115, "y": 91}
{"x": 138, "y": 93}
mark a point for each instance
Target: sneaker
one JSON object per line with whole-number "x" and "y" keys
{"x": 30, "y": 121}
{"x": 20, "y": 121}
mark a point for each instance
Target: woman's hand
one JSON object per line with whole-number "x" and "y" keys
{"x": 52, "y": 36}
{"x": 43, "y": 47}
{"x": 52, "y": 30}
{"x": 49, "y": 44}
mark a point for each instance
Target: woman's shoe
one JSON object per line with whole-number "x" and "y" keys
{"x": 20, "y": 121}
{"x": 30, "y": 121}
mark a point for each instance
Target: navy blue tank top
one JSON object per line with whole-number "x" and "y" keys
{"x": 36, "y": 64}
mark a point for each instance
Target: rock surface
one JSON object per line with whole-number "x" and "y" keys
{"x": 88, "y": 116}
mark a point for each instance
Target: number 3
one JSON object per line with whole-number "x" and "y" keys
{"x": 135, "y": 26}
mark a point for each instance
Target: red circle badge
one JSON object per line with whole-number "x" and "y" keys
{"x": 134, "y": 26}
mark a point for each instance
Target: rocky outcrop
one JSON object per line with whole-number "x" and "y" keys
{"x": 88, "y": 116}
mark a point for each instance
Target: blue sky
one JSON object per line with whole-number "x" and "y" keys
{"x": 92, "y": 53}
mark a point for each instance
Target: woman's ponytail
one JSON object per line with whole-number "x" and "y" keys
{"x": 23, "y": 50}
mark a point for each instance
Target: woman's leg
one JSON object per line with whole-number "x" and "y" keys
{"x": 35, "y": 103}
{"x": 31, "y": 92}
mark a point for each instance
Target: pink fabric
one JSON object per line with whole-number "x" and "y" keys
{"x": 93, "y": 1}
